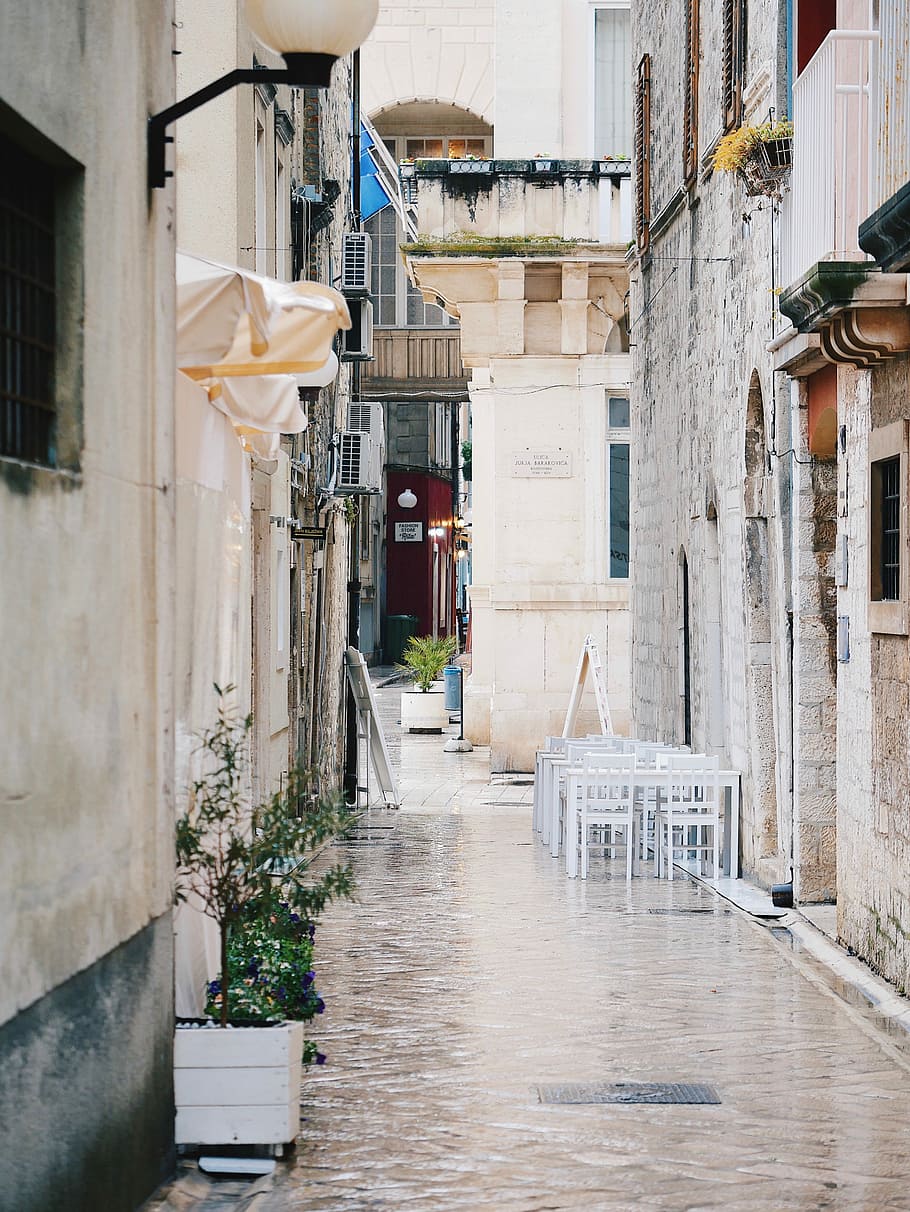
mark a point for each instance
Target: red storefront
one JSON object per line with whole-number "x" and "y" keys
{"x": 420, "y": 574}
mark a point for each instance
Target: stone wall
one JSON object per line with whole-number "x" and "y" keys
{"x": 873, "y": 841}
{"x": 711, "y": 493}
{"x": 86, "y": 862}
{"x": 435, "y": 51}
{"x": 317, "y": 737}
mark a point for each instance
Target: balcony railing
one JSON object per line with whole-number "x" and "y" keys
{"x": 834, "y": 136}
{"x": 568, "y": 200}
{"x": 406, "y": 354}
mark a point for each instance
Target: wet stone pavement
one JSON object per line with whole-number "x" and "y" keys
{"x": 470, "y": 972}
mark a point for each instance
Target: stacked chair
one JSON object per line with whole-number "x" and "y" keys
{"x": 635, "y": 797}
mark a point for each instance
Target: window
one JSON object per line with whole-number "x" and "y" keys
{"x": 260, "y": 237}
{"x": 643, "y": 154}
{"x": 40, "y": 305}
{"x": 443, "y": 436}
{"x": 734, "y": 62}
{"x": 443, "y": 148}
{"x": 282, "y": 240}
{"x": 890, "y": 529}
{"x": 618, "y": 484}
{"x": 888, "y": 535}
{"x": 612, "y": 82}
{"x": 690, "y": 108}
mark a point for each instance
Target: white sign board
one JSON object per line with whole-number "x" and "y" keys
{"x": 368, "y": 712}
{"x": 589, "y": 662}
{"x": 542, "y": 464}
{"x": 409, "y": 532}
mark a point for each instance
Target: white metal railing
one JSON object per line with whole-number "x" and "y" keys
{"x": 388, "y": 176}
{"x": 833, "y": 162}
{"x": 893, "y": 103}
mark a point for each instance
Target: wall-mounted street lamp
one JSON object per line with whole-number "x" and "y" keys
{"x": 309, "y": 35}
{"x": 407, "y": 499}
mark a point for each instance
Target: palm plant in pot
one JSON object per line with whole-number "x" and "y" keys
{"x": 425, "y": 656}
{"x": 248, "y": 867}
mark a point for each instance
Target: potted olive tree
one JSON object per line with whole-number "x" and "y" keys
{"x": 423, "y": 709}
{"x": 247, "y": 866}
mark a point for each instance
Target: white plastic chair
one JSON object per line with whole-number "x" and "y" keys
{"x": 599, "y": 797}
{"x": 575, "y": 753}
{"x": 553, "y": 746}
{"x": 686, "y": 811}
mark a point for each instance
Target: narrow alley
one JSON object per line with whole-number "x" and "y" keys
{"x": 470, "y": 978}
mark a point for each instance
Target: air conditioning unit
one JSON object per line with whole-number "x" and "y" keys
{"x": 356, "y": 263}
{"x": 360, "y": 471}
{"x": 369, "y": 419}
{"x": 357, "y": 345}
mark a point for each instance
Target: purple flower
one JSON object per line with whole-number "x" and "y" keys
{"x": 308, "y": 979}
{"x": 320, "y": 1005}
{"x": 320, "y": 1058}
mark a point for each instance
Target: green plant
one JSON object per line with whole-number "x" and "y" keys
{"x": 735, "y": 149}
{"x": 270, "y": 961}
{"x": 243, "y": 860}
{"x": 426, "y": 658}
{"x": 467, "y": 465}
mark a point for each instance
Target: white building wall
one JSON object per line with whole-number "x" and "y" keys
{"x": 435, "y": 51}
{"x": 86, "y": 664}
{"x": 526, "y": 69}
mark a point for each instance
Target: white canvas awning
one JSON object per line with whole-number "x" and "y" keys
{"x": 233, "y": 323}
{"x": 269, "y": 403}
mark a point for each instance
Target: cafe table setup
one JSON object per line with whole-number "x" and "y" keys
{"x": 659, "y": 805}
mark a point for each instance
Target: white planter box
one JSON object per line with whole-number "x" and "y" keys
{"x": 240, "y": 1085}
{"x": 424, "y": 712}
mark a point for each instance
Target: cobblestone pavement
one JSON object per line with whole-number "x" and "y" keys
{"x": 470, "y": 972}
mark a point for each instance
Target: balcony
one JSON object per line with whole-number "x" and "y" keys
{"x": 833, "y": 160}
{"x": 415, "y": 360}
{"x": 583, "y": 201}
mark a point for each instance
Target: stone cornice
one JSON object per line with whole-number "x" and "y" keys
{"x": 885, "y": 235}
{"x": 845, "y": 312}
{"x": 828, "y": 287}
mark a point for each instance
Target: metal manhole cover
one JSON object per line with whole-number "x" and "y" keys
{"x": 628, "y": 1092}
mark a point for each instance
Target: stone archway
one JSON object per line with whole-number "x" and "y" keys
{"x": 762, "y": 827}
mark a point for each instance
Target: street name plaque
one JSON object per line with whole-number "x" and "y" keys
{"x": 542, "y": 464}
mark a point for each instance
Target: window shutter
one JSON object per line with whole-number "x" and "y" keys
{"x": 643, "y": 154}
{"x": 733, "y": 62}
{"x": 690, "y": 110}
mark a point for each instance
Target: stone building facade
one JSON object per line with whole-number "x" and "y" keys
{"x": 711, "y": 629}
{"x": 771, "y": 337}
{"x": 264, "y": 182}
{"x": 530, "y": 263}
{"x": 87, "y": 509}
{"x": 847, "y": 352}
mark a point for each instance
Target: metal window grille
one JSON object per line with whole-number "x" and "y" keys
{"x": 28, "y": 306}
{"x": 890, "y": 529}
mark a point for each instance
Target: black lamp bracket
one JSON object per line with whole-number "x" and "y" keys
{"x": 302, "y": 71}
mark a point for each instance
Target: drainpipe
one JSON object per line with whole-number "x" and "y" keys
{"x": 351, "y": 761}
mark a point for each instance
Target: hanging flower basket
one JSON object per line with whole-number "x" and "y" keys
{"x": 761, "y": 155}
